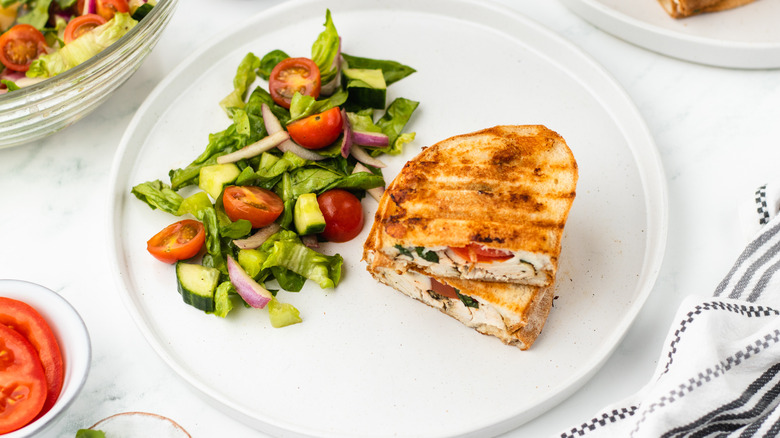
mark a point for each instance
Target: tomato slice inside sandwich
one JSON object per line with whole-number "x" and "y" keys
{"x": 475, "y": 252}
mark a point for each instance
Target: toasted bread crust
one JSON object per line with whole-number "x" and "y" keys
{"x": 687, "y": 8}
{"x": 506, "y": 187}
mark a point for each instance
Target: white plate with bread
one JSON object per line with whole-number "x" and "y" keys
{"x": 744, "y": 37}
{"x": 368, "y": 360}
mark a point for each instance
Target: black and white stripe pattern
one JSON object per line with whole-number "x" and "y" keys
{"x": 762, "y": 207}
{"x": 719, "y": 372}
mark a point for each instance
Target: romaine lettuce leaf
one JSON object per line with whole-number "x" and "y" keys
{"x": 325, "y": 50}
{"x": 156, "y": 194}
{"x": 303, "y": 106}
{"x": 269, "y": 61}
{"x": 295, "y": 256}
{"x": 38, "y": 15}
{"x": 83, "y": 48}
{"x": 245, "y": 76}
{"x": 393, "y": 122}
{"x": 391, "y": 70}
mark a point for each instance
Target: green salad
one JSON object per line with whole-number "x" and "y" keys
{"x": 302, "y": 150}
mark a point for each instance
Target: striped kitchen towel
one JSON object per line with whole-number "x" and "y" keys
{"x": 719, "y": 370}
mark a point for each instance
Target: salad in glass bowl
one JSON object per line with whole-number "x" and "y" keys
{"x": 43, "y": 38}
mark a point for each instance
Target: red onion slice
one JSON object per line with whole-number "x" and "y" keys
{"x": 272, "y": 125}
{"x": 255, "y": 295}
{"x": 372, "y": 139}
{"x": 361, "y": 155}
{"x": 376, "y": 192}
{"x": 254, "y": 149}
{"x": 310, "y": 240}
{"x": 90, "y": 7}
{"x": 346, "y": 139}
{"x": 257, "y": 239}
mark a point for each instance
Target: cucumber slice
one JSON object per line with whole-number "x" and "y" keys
{"x": 366, "y": 87}
{"x": 196, "y": 284}
{"x": 212, "y": 179}
{"x": 307, "y": 216}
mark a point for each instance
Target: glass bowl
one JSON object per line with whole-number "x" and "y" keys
{"x": 44, "y": 108}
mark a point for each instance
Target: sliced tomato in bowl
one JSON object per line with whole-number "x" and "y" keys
{"x": 293, "y": 75}
{"x": 22, "y": 380}
{"x": 29, "y": 323}
{"x": 80, "y": 25}
{"x": 20, "y": 46}
{"x": 107, "y": 8}
{"x": 254, "y": 204}
{"x": 178, "y": 241}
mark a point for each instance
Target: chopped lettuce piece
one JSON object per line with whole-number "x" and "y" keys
{"x": 303, "y": 106}
{"x": 269, "y": 61}
{"x": 282, "y": 314}
{"x": 86, "y": 46}
{"x": 391, "y": 70}
{"x": 38, "y": 15}
{"x": 222, "y": 302}
{"x": 393, "y": 122}
{"x": 245, "y": 76}
{"x": 320, "y": 268}
{"x": 156, "y": 194}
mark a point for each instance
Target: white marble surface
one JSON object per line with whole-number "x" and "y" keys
{"x": 716, "y": 129}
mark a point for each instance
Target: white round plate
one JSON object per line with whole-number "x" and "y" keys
{"x": 367, "y": 360}
{"x": 746, "y": 37}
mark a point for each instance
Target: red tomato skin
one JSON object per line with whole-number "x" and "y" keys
{"x": 80, "y": 25}
{"x": 22, "y": 379}
{"x": 178, "y": 241}
{"x": 343, "y": 214}
{"x": 317, "y": 131}
{"x": 20, "y": 45}
{"x": 107, "y": 8}
{"x": 291, "y": 75}
{"x": 475, "y": 252}
{"x": 257, "y": 205}
{"x": 443, "y": 289}
{"x": 25, "y": 320}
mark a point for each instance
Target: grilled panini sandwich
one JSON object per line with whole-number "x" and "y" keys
{"x": 513, "y": 313}
{"x": 687, "y": 8}
{"x": 490, "y": 205}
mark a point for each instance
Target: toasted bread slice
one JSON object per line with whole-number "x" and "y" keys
{"x": 504, "y": 191}
{"x": 687, "y": 8}
{"x": 513, "y": 313}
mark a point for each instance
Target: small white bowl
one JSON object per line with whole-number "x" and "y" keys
{"x": 73, "y": 338}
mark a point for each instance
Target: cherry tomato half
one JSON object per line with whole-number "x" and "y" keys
{"x": 81, "y": 25}
{"x": 29, "y": 323}
{"x": 22, "y": 380}
{"x": 317, "y": 131}
{"x": 257, "y": 205}
{"x": 178, "y": 241}
{"x": 107, "y": 8}
{"x": 20, "y": 45}
{"x": 343, "y": 215}
{"x": 291, "y": 75}
{"x": 475, "y": 252}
